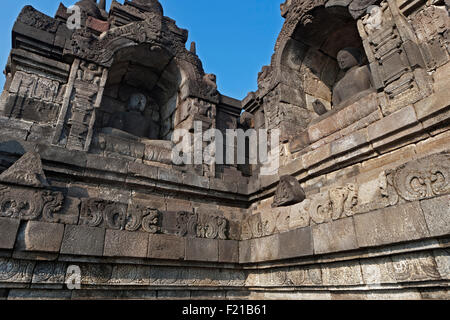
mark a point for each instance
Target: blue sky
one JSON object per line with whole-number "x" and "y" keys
{"x": 235, "y": 38}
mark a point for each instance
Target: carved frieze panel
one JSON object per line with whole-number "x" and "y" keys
{"x": 87, "y": 88}
{"x": 414, "y": 267}
{"x": 394, "y": 55}
{"x": 113, "y": 215}
{"x": 209, "y": 226}
{"x": 431, "y": 25}
{"x": 33, "y": 97}
{"x": 16, "y": 271}
{"x": 423, "y": 178}
{"x": 30, "y": 204}
{"x": 212, "y": 227}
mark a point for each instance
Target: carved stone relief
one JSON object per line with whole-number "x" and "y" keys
{"x": 33, "y": 97}
{"x": 288, "y": 192}
{"x": 202, "y": 225}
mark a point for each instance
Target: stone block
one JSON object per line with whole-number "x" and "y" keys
{"x": 435, "y": 144}
{"x": 83, "y": 240}
{"x": 126, "y": 244}
{"x": 435, "y": 103}
{"x": 41, "y": 236}
{"x": 136, "y": 169}
{"x": 314, "y": 157}
{"x": 349, "y": 142}
{"x": 334, "y": 236}
{"x": 199, "y": 249}
{"x": 299, "y": 142}
{"x": 229, "y": 251}
{"x": 437, "y": 215}
{"x": 442, "y": 258}
{"x": 195, "y": 180}
{"x": 377, "y": 271}
{"x": 106, "y": 164}
{"x": 39, "y": 294}
{"x": 58, "y": 154}
{"x": 169, "y": 175}
{"x": 8, "y": 232}
{"x": 268, "y": 180}
{"x": 245, "y": 251}
{"x": 390, "y": 225}
{"x": 322, "y": 129}
{"x": 266, "y": 249}
{"x": 292, "y": 167}
{"x": 342, "y": 274}
{"x": 395, "y": 121}
{"x": 397, "y": 136}
{"x": 299, "y": 215}
{"x": 162, "y": 246}
{"x": 296, "y": 243}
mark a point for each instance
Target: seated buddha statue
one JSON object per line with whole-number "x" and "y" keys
{"x": 132, "y": 124}
{"x": 357, "y": 81}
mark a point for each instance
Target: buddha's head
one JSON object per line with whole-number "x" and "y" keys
{"x": 137, "y": 102}
{"x": 348, "y": 58}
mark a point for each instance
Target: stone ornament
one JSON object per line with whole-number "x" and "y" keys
{"x": 112, "y": 215}
{"x": 192, "y": 224}
{"x": 373, "y": 21}
{"x": 288, "y": 192}
{"x": 26, "y": 171}
{"x": 423, "y": 178}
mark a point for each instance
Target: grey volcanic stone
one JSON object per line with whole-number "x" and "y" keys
{"x": 162, "y": 246}
{"x": 83, "y": 240}
{"x": 41, "y": 236}
{"x": 335, "y": 236}
{"x": 198, "y": 249}
{"x": 394, "y": 224}
{"x": 126, "y": 244}
{"x": 437, "y": 215}
{"x": 296, "y": 243}
{"x": 8, "y": 232}
{"x": 228, "y": 251}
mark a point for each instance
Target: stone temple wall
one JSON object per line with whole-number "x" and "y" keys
{"x": 359, "y": 209}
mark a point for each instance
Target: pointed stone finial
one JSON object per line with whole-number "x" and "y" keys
{"x": 26, "y": 171}
{"x": 193, "y": 47}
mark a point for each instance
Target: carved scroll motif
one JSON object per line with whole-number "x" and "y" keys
{"x": 423, "y": 178}
{"x": 29, "y": 204}
{"x": 212, "y": 227}
{"x": 112, "y": 215}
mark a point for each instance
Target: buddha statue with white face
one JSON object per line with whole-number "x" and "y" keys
{"x": 357, "y": 81}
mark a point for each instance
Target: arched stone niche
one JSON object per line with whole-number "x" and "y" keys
{"x": 147, "y": 73}
{"x": 311, "y": 52}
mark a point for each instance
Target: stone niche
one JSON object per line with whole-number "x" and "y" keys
{"x": 317, "y": 43}
{"x": 145, "y": 73}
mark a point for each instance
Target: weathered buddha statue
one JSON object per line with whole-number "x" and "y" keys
{"x": 132, "y": 124}
{"x": 357, "y": 81}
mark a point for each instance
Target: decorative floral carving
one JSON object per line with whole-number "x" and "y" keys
{"x": 343, "y": 199}
{"x": 187, "y": 223}
{"x": 212, "y": 227}
{"x": 28, "y": 204}
{"x": 150, "y": 222}
{"x": 423, "y": 178}
{"x": 414, "y": 267}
